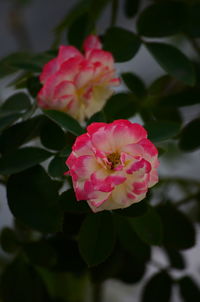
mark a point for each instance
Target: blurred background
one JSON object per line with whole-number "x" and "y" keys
{"x": 28, "y": 25}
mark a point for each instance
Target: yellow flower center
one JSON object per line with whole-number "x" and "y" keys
{"x": 114, "y": 159}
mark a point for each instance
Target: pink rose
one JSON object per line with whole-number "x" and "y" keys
{"x": 78, "y": 84}
{"x": 113, "y": 165}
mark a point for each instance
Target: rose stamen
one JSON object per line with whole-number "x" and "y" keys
{"x": 114, "y": 159}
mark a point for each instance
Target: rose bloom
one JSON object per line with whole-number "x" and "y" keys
{"x": 78, "y": 84}
{"x": 113, "y": 165}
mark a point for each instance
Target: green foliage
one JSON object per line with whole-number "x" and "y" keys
{"x": 20, "y": 133}
{"x": 189, "y": 290}
{"x": 176, "y": 258}
{"x": 70, "y": 205}
{"x": 189, "y": 140}
{"x": 131, "y": 7}
{"x": 64, "y": 121}
{"x": 42, "y": 211}
{"x": 21, "y": 282}
{"x": 162, "y": 130}
{"x": 173, "y": 61}
{"x": 9, "y": 241}
{"x": 148, "y": 227}
{"x": 121, "y": 105}
{"x": 97, "y": 238}
{"x": 158, "y": 288}
{"x": 162, "y": 19}
{"x": 122, "y": 43}
{"x": 178, "y": 231}
{"x": 79, "y": 30}
{"x": 17, "y": 103}
{"x": 134, "y": 83}
{"x": 58, "y": 247}
{"x": 23, "y": 159}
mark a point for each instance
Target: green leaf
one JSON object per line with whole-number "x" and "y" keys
{"x": 93, "y": 7}
{"x": 52, "y": 136}
{"x": 158, "y": 288}
{"x": 189, "y": 140}
{"x": 7, "y": 119}
{"x": 134, "y": 83}
{"x": 21, "y": 283}
{"x": 40, "y": 253}
{"x": 186, "y": 97}
{"x": 131, "y": 7}
{"x": 57, "y": 167}
{"x": 131, "y": 270}
{"x": 192, "y": 24}
{"x": 162, "y": 130}
{"x": 178, "y": 231}
{"x": 120, "y": 106}
{"x": 137, "y": 209}
{"x": 148, "y": 227}
{"x": 23, "y": 158}
{"x": 162, "y": 19}
{"x": 7, "y": 63}
{"x": 131, "y": 242}
{"x": 72, "y": 224}
{"x": 97, "y": 117}
{"x": 189, "y": 290}
{"x": 80, "y": 29}
{"x": 33, "y": 199}
{"x": 20, "y": 134}
{"x": 176, "y": 258}
{"x": 96, "y": 238}
{"x": 122, "y": 43}
{"x": 67, "y": 252}
{"x": 164, "y": 85}
{"x": 65, "y": 121}
{"x": 173, "y": 61}
{"x": 70, "y": 204}
{"x": 33, "y": 84}
{"x": 16, "y": 103}
{"x": 9, "y": 242}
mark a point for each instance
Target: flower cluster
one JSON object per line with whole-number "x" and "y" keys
{"x": 113, "y": 165}
{"x": 78, "y": 84}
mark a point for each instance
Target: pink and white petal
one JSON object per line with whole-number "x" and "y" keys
{"x": 84, "y": 77}
{"x": 124, "y": 133}
{"x": 102, "y": 56}
{"x": 97, "y": 100}
{"x": 47, "y": 90}
{"x": 153, "y": 178}
{"x": 104, "y": 182}
{"x": 70, "y": 68}
{"x": 71, "y": 159}
{"x": 82, "y": 145}
{"x": 133, "y": 149}
{"x": 64, "y": 88}
{"x": 115, "y": 82}
{"x": 149, "y": 147}
{"x": 92, "y": 42}
{"x": 85, "y": 166}
{"x": 67, "y": 52}
{"x": 140, "y": 166}
{"x": 49, "y": 69}
{"x": 94, "y": 127}
{"x": 97, "y": 204}
{"x": 102, "y": 140}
